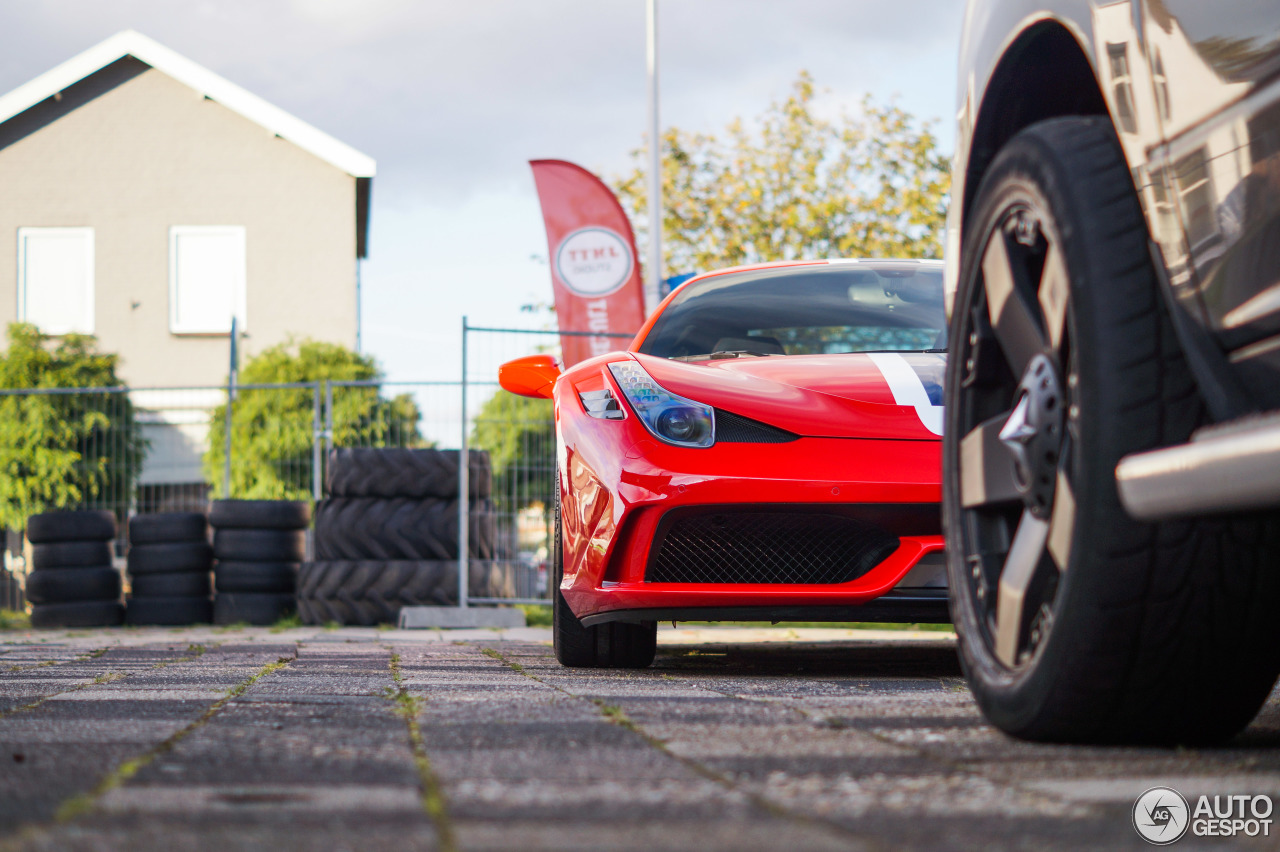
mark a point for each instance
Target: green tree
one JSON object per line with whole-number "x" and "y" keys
{"x": 63, "y": 450}
{"x": 794, "y": 185}
{"x": 272, "y": 429}
{"x": 519, "y": 434}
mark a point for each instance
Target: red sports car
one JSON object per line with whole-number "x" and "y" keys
{"x": 766, "y": 449}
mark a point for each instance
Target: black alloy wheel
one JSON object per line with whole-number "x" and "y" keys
{"x": 1076, "y": 622}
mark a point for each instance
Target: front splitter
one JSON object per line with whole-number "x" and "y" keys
{"x": 924, "y": 606}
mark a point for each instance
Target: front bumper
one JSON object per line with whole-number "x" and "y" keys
{"x": 613, "y": 512}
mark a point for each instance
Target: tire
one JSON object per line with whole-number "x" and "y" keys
{"x": 1111, "y": 631}
{"x": 185, "y": 584}
{"x": 71, "y": 585}
{"x": 364, "y": 528}
{"x": 372, "y": 592}
{"x": 71, "y": 526}
{"x": 260, "y": 514}
{"x": 166, "y": 527}
{"x": 614, "y": 645}
{"x": 80, "y": 614}
{"x": 168, "y": 611}
{"x": 171, "y": 558}
{"x": 394, "y": 472}
{"x": 255, "y": 609}
{"x": 256, "y": 576}
{"x": 70, "y": 554}
{"x": 259, "y": 545}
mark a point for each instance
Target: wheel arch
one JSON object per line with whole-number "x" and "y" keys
{"x": 1044, "y": 73}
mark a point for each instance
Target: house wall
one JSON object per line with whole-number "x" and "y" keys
{"x": 134, "y": 152}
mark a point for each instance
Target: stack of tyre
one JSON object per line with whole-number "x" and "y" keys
{"x": 258, "y": 546}
{"x": 73, "y": 582}
{"x": 169, "y": 563}
{"x": 386, "y": 536}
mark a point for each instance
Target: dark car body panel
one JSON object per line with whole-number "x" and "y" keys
{"x": 1193, "y": 91}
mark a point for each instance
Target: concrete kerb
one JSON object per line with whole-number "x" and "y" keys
{"x": 420, "y": 617}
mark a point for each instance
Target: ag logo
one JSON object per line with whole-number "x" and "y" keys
{"x": 594, "y": 261}
{"x": 1161, "y": 816}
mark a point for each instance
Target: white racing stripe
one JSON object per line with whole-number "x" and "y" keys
{"x": 908, "y": 389}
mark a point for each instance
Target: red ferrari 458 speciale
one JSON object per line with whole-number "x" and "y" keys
{"x": 766, "y": 449}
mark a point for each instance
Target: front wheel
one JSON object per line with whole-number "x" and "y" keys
{"x": 613, "y": 645}
{"x": 1076, "y": 622}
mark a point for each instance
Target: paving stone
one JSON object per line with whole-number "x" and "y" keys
{"x": 732, "y": 740}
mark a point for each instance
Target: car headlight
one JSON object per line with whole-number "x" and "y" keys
{"x": 666, "y": 415}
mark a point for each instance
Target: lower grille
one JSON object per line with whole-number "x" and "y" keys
{"x": 751, "y": 546}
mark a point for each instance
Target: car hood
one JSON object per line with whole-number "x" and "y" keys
{"x": 854, "y": 395}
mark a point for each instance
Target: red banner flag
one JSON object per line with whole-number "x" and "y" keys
{"x": 592, "y": 254}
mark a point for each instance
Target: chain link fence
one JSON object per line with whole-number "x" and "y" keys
{"x": 144, "y": 450}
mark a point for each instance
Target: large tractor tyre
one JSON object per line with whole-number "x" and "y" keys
{"x": 260, "y": 514}
{"x": 259, "y": 545}
{"x": 280, "y": 577}
{"x": 1077, "y": 623}
{"x": 363, "y": 528}
{"x": 71, "y": 526}
{"x": 78, "y": 614}
{"x": 187, "y": 584}
{"x": 168, "y": 611}
{"x": 70, "y": 554}
{"x": 166, "y": 527}
{"x": 250, "y": 608}
{"x": 70, "y": 585}
{"x": 615, "y": 644}
{"x": 169, "y": 558}
{"x": 368, "y": 592}
{"x": 394, "y": 472}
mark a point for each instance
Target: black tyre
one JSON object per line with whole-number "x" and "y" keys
{"x": 79, "y": 614}
{"x": 170, "y": 558}
{"x": 260, "y": 514}
{"x": 372, "y": 592}
{"x": 168, "y": 611}
{"x": 611, "y": 645}
{"x": 259, "y": 545}
{"x": 256, "y": 609}
{"x": 363, "y": 528}
{"x": 70, "y": 554}
{"x": 68, "y": 585}
{"x": 186, "y": 584}
{"x": 395, "y": 472}
{"x": 256, "y": 576}
{"x": 167, "y": 527}
{"x": 71, "y": 526}
{"x": 1077, "y": 623}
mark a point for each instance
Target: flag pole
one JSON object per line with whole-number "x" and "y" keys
{"x": 652, "y": 287}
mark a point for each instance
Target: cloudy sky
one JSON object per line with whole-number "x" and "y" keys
{"x": 454, "y": 98}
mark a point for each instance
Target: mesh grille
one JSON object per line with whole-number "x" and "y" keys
{"x": 734, "y": 429}
{"x": 767, "y": 547}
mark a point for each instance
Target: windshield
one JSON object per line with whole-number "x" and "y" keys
{"x": 804, "y": 310}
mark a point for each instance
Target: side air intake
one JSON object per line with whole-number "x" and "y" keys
{"x": 735, "y": 429}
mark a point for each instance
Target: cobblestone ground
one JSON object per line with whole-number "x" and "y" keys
{"x": 364, "y": 740}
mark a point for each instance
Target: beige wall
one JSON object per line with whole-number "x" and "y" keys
{"x": 150, "y": 153}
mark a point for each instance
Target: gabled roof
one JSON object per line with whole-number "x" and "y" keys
{"x": 204, "y": 81}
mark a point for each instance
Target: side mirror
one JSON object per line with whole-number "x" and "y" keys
{"x": 532, "y": 375}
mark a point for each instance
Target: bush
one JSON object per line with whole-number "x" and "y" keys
{"x": 62, "y": 451}
{"x": 272, "y": 430}
{"x": 519, "y": 434}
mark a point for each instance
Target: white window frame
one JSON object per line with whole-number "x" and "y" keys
{"x": 87, "y": 325}
{"x": 239, "y": 297}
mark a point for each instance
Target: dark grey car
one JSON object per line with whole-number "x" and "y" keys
{"x": 1112, "y": 445}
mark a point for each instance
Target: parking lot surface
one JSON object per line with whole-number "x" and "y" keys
{"x": 362, "y": 740}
